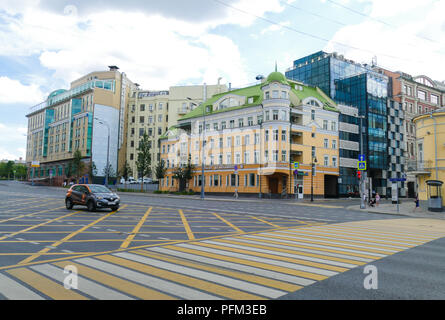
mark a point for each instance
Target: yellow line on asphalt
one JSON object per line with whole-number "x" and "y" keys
{"x": 44, "y": 285}
{"x": 182, "y": 279}
{"x": 228, "y": 223}
{"x": 277, "y": 284}
{"x": 250, "y": 263}
{"x": 41, "y": 205}
{"x": 186, "y": 225}
{"x": 44, "y": 254}
{"x": 263, "y": 245}
{"x": 136, "y": 229}
{"x": 269, "y": 239}
{"x": 273, "y": 257}
{"x": 39, "y": 225}
{"x": 316, "y": 205}
{"x": 131, "y": 288}
{"x": 264, "y": 221}
{"x": 71, "y": 235}
{"x": 31, "y": 214}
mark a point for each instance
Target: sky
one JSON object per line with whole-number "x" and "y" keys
{"x": 46, "y": 44}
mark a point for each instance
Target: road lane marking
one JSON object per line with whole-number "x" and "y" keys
{"x": 146, "y": 280}
{"x": 30, "y": 214}
{"x": 127, "y": 287}
{"x": 136, "y": 229}
{"x": 233, "y": 274}
{"x": 47, "y": 287}
{"x": 228, "y": 223}
{"x": 186, "y": 225}
{"x": 68, "y": 237}
{"x": 12, "y": 290}
{"x": 207, "y": 276}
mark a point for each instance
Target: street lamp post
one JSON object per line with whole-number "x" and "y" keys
{"x": 108, "y": 149}
{"x": 362, "y": 184}
{"x": 314, "y": 161}
{"x": 203, "y": 153}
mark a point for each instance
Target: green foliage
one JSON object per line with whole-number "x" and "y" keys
{"x": 160, "y": 170}
{"x": 110, "y": 171}
{"x": 77, "y": 164}
{"x": 7, "y": 170}
{"x": 143, "y": 162}
{"x": 126, "y": 171}
{"x": 184, "y": 174}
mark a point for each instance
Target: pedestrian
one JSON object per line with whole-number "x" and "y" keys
{"x": 236, "y": 193}
{"x": 377, "y": 199}
{"x": 416, "y": 201}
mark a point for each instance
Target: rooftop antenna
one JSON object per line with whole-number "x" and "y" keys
{"x": 276, "y": 67}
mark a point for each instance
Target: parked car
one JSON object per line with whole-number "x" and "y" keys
{"x": 93, "y": 196}
{"x": 131, "y": 180}
{"x": 148, "y": 180}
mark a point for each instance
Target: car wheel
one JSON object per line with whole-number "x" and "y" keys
{"x": 115, "y": 208}
{"x": 69, "y": 203}
{"x": 91, "y": 206}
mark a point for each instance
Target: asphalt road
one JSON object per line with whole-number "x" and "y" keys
{"x": 230, "y": 249}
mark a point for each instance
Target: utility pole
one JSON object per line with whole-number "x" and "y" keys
{"x": 362, "y": 184}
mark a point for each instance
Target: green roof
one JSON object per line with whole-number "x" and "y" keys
{"x": 256, "y": 93}
{"x": 173, "y": 130}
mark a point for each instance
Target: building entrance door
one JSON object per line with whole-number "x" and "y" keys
{"x": 273, "y": 185}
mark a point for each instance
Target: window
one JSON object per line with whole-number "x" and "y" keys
{"x": 326, "y": 161}
{"x": 275, "y": 135}
{"x": 250, "y": 100}
{"x": 141, "y": 119}
{"x": 267, "y": 95}
{"x": 141, "y": 132}
{"x": 257, "y": 138}
{"x": 434, "y": 99}
{"x": 266, "y": 155}
{"x": 421, "y": 95}
{"x": 256, "y": 157}
{"x": 215, "y": 126}
{"x": 275, "y": 115}
{"x": 283, "y": 135}
{"x": 233, "y": 180}
{"x": 313, "y": 152}
{"x": 229, "y": 158}
{"x": 247, "y": 140}
{"x": 220, "y": 159}
{"x": 275, "y": 94}
{"x": 326, "y": 143}
{"x": 334, "y": 144}
{"x": 142, "y": 107}
{"x": 160, "y": 118}
{"x": 237, "y": 158}
{"x": 221, "y": 143}
{"x": 283, "y": 156}
{"x": 232, "y": 124}
{"x": 250, "y": 121}
{"x": 223, "y": 125}
{"x": 266, "y": 135}
{"x": 333, "y": 126}
{"x": 313, "y": 114}
{"x": 241, "y": 122}
{"x": 283, "y": 95}
{"x": 283, "y": 115}
{"x": 334, "y": 161}
{"x": 275, "y": 156}
{"x": 246, "y": 157}
{"x": 229, "y": 141}
{"x": 325, "y": 124}
{"x": 237, "y": 141}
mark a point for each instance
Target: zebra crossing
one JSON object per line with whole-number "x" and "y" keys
{"x": 264, "y": 265}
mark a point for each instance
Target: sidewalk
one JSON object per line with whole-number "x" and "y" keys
{"x": 405, "y": 209}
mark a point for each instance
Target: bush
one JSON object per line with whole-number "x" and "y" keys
{"x": 128, "y": 190}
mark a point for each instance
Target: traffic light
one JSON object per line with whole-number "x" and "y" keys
{"x": 359, "y": 175}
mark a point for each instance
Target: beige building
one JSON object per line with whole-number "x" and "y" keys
{"x": 154, "y": 112}
{"x": 80, "y": 118}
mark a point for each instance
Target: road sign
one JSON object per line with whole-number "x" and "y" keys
{"x": 35, "y": 164}
{"x": 296, "y": 165}
{"x": 236, "y": 169}
{"x": 397, "y": 179}
{"x": 361, "y": 165}
{"x": 296, "y": 172}
{"x": 361, "y": 157}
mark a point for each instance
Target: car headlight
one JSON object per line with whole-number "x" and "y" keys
{"x": 99, "y": 198}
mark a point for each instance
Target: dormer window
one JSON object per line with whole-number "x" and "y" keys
{"x": 250, "y": 100}
{"x": 267, "y": 95}
{"x": 227, "y": 103}
{"x": 314, "y": 103}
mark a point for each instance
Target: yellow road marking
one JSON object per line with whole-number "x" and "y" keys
{"x": 39, "y": 225}
{"x": 316, "y": 205}
{"x": 340, "y": 235}
{"x": 71, "y": 235}
{"x": 234, "y": 274}
{"x": 186, "y": 225}
{"x": 131, "y": 288}
{"x": 44, "y": 285}
{"x": 269, "y": 239}
{"x": 274, "y": 257}
{"x": 136, "y": 229}
{"x": 31, "y": 214}
{"x": 343, "y": 244}
{"x": 264, "y": 221}
{"x": 295, "y": 251}
{"x": 44, "y": 254}
{"x": 41, "y": 205}
{"x": 250, "y": 263}
{"x": 228, "y": 223}
{"x": 186, "y": 280}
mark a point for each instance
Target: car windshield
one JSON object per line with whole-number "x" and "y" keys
{"x": 99, "y": 189}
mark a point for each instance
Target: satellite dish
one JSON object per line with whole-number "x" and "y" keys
{"x": 259, "y": 77}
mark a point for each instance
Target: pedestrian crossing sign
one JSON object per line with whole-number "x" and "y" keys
{"x": 361, "y": 165}
{"x": 296, "y": 165}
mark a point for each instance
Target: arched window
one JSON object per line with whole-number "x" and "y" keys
{"x": 314, "y": 103}
{"x": 228, "y": 103}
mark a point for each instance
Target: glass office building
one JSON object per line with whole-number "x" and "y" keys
{"x": 357, "y": 85}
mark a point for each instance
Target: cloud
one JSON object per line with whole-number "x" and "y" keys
{"x": 13, "y": 91}
{"x": 12, "y": 142}
{"x": 152, "y": 49}
{"x": 402, "y": 46}
{"x": 275, "y": 27}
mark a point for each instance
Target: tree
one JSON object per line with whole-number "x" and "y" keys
{"x": 126, "y": 171}
{"x": 9, "y": 168}
{"x": 20, "y": 171}
{"x": 183, "y": 174}
{"x": 110, "y": 171}
{"x": 78, "y": 165}
{"x": 92, "y": 170}
{"x": 160, "y": 170}
{"x": 143, "y": 162}
{"x": 69, "y": 170}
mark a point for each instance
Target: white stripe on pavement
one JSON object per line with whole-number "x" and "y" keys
{"x": 283, "y": 254}
{"x": 149, "y": 281}
{"x": 261, "y": 260}
{"x": 236, "y": 266}
{"x": 226, "y": 281}
{"x": 84, "y": 285}
{"x": 14, "y": 291}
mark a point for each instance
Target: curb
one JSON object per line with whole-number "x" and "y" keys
{"x": 424, "y": 215}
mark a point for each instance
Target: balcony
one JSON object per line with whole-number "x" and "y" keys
{"x": 419, "y": 167}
